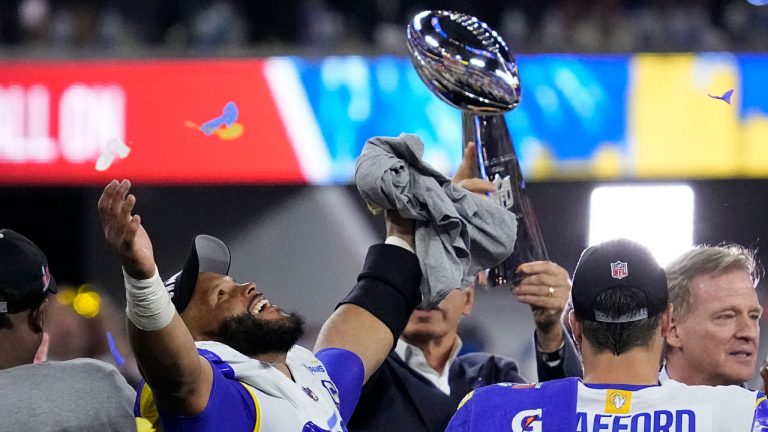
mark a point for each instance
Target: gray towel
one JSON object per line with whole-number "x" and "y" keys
{"x": 457, "y": 232}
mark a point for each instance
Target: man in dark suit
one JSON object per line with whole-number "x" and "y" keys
{"x": 421, "y": 383}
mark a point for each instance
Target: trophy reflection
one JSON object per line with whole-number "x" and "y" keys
{"x": 467, "y": 64}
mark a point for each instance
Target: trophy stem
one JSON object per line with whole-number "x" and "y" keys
{"x": 469, "y": 134}
{"x": 498, "y": 162}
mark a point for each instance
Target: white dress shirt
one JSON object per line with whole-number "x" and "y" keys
{"x": 414, "y": 357}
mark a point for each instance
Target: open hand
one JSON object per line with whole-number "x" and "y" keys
{"x": 123, "y": 231}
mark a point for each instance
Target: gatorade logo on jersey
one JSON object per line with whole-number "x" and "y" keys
{"x": 617, "y": 401}
{"x": 527, "y": 421}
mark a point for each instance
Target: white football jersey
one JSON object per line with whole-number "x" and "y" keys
{"x": 568, "y": 405}
{"x": 669, "y": 407}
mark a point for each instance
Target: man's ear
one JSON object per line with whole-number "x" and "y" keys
{"x": 672, "y": 331}
{"x": 469, "y": 300}
{"x": 35, "y": 318}
{"x": 576, "y": 328}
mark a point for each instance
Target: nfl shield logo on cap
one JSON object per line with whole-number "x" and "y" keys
{"x": 619, "y": 270}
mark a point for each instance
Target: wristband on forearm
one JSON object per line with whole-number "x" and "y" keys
{"x": 553, "y": 358}
{"x": 148, "y": 305}
{"x": 388, "y": 286}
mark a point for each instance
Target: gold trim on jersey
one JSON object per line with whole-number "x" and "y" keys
{"x": 757, "y": 402}
{"x": 256, "y": 406}
{"x": 466, "y": 399}
{"x": 147, "y": 408}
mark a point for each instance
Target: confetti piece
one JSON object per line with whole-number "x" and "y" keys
{"x": 113, "y": 349}
{"x": 120, "y": 148}
{"x": 228, "y": 117}
{"x": 114, "y": 149}
{"x": 230, "y": 133}
{"x": 726, "y": 97}
{"x": 105, "y": 161}
{"x": 226, "y": 133}
{"x": 230, "y": 113}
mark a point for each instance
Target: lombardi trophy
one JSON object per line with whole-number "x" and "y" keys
{"x": 467, "y": 64}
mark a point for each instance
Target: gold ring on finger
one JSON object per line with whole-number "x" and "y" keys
{"x": 550, "y": 291}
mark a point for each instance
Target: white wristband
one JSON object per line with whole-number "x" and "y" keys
{"x": 148, "y": 305}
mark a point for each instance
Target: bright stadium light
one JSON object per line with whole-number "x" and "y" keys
{"x": 660, "y": 217}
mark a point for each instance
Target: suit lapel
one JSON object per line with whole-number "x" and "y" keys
{"x": 430, "y": 402}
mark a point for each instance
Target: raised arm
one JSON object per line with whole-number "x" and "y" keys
{"x": 546, "y": 288}
{"x": 556, "y": 355}
{"x": 164, "y": 348}
{"x": 371, "y": 318}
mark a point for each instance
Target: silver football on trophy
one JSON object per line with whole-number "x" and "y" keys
{"x": 468, "y": 65}
{"x": 464, "y": 62}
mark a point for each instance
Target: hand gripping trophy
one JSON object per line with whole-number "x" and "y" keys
{"x": 466, "y": 64}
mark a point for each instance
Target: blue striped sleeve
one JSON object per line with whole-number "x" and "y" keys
{"x": 346, "y": 371}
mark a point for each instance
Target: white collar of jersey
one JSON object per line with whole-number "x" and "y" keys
{"x": 265, "y": 378}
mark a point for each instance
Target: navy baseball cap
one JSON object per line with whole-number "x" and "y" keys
{"x": 24, "y": 276}
{"x": 618, "y": 264}
{"x": 207, "y": 254}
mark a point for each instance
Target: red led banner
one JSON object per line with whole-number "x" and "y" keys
{"x": 56, "y": 118}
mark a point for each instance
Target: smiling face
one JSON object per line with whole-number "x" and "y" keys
{"x": 238, "y": 315}
{"x": 717, "y": 342}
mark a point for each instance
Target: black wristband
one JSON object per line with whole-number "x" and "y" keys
{"x": 551, "y": 359}
{"x": 388, "y": 286}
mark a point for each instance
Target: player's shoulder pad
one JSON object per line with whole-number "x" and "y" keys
{"x": 492, "y": 391}
{"x": 760, "y": 421}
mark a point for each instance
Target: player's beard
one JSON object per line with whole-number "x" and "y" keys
{"x": 253, "y": 336}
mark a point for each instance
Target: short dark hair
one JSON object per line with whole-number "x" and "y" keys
{"x": 5, "y": 322}
{"x": 5, "y": 318}
{"x": 619, "y": 338}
